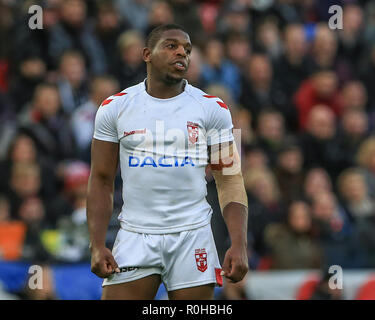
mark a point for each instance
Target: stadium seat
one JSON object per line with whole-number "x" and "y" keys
{"x": 306, "y": 290}
{"x": 12, "y": 235}
{"x": 367, "y": 290}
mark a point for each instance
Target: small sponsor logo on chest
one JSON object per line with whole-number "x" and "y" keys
{"x": 138, "y": 131}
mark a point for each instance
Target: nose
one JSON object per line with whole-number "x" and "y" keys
{"x": 181, "y": 51}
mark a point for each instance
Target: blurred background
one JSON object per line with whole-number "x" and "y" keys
{"x": 302, "y": 94}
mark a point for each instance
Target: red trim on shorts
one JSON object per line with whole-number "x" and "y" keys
{"x": 219, "y": 277}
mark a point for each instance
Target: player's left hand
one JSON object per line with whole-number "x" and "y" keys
{"x": 235, "y": 264}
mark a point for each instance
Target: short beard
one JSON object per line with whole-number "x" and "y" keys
{"x": 169, "y": 80}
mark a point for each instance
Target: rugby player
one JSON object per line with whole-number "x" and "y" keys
{"x": 164, "y": 132}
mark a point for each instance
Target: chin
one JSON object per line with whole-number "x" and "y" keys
{"x": 172, "y": 79}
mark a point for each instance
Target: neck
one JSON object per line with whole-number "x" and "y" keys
{"x": 163, "y": 90}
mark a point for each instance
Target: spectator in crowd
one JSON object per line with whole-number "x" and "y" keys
{"x": 47, "y": 125}
{"x": 289, "y": 171}
{"x": 353, "y": 128}
{"x": 24, "y": 182}
{"x": 270, "y": 133}
{"x": 72, "y": 228}
{"x": 136, "y": 12}
{"x": 32, "y": 213}
{"x": 238, "y": 49}
{"x": 293, "y": 66}
{"x": 353, "y": 189}
{"x": 7, "y": 25}
{"x": 4, "y": 209}
{"x": 316, "y": 180}
{"x": 23, "y": 150}
{"x": 254, "y": 158}
{"x": 72, "y": 81}
{"x": 367, "y": 76}
{"x": 161, "y": 12}
{"x": 31, "y": 72}
{"x": 242, "y": 121}
{"x": 268, "y": 39}
{"x": 351, "y": 45}
{"x": 108, "y": 28}
{"x": 264, "y": 203}
{"x": 7, "y": 110}
{"x": 259, "y": 91}
{"x": 318, "y": 143}
{"x": 130, "y": 68}
{"x": 366, "y": 161}
{"x": 353, "y": 95}
{"x": 324, "y": 53}
{"x": 335, "y": 232}
{"x": 234, "y": 17}
{"x": 320, "y": 88}
{"x": 83, "y": 118}
{"x": 187, "y": 14}
{"x": 217, "y": 69}
{"x": 37, "y": 40}
{"x": 324, "y": 47}
{"x": 74, "y": 33}
{"x": 292, "y": 244}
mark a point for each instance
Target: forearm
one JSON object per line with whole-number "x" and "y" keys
{"x": 99, "y": 209}
{"x": 235, "y": 216}
{"x": 233, "y": 203}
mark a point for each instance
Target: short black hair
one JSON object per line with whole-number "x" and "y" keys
{"x": 155, "y": 34}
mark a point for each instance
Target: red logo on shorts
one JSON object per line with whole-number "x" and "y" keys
{"x": 192, "y": 132}
{"x": 201, "y": 259}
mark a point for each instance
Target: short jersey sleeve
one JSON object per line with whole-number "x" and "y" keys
{"x": 219, "y": 126}
{"x": 106, "y": 123}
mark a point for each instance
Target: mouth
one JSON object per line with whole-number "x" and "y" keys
{"x": 180, "y": 65}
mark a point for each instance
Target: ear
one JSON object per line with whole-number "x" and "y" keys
{"x": 146, "y": 54}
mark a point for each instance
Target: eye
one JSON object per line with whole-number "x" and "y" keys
{"x": 171, "y": 46}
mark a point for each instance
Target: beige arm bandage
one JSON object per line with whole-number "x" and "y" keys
{"x": 229, "y": 181}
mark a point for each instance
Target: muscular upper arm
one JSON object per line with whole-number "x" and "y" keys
{"x": 226, "y": 170}
{"x": 104, "y": 159}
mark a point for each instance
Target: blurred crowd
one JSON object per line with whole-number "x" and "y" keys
{"x": 302, "y": 94}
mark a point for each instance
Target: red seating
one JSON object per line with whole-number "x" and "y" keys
{"x": 12, "y": 235}
{"x": 307, "y": 288}
{"x": 367, "y": 290}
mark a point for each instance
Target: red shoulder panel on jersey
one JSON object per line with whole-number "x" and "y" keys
{"x": 222, "y": 104}
{"x": 105, "y": 102}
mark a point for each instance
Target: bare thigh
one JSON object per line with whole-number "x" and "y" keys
{"x": 141, "y": 289}
{"x": 205, "y": 292}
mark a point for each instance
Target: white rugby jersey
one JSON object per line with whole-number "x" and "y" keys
{"x": 163, "y": 155}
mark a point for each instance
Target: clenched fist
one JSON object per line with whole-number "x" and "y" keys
{"x": 102, "y": 262}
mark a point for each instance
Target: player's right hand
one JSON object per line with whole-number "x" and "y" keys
{"x": 103, "y": 263}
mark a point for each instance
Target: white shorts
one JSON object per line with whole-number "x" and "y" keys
{"x": 184, "y": 259}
